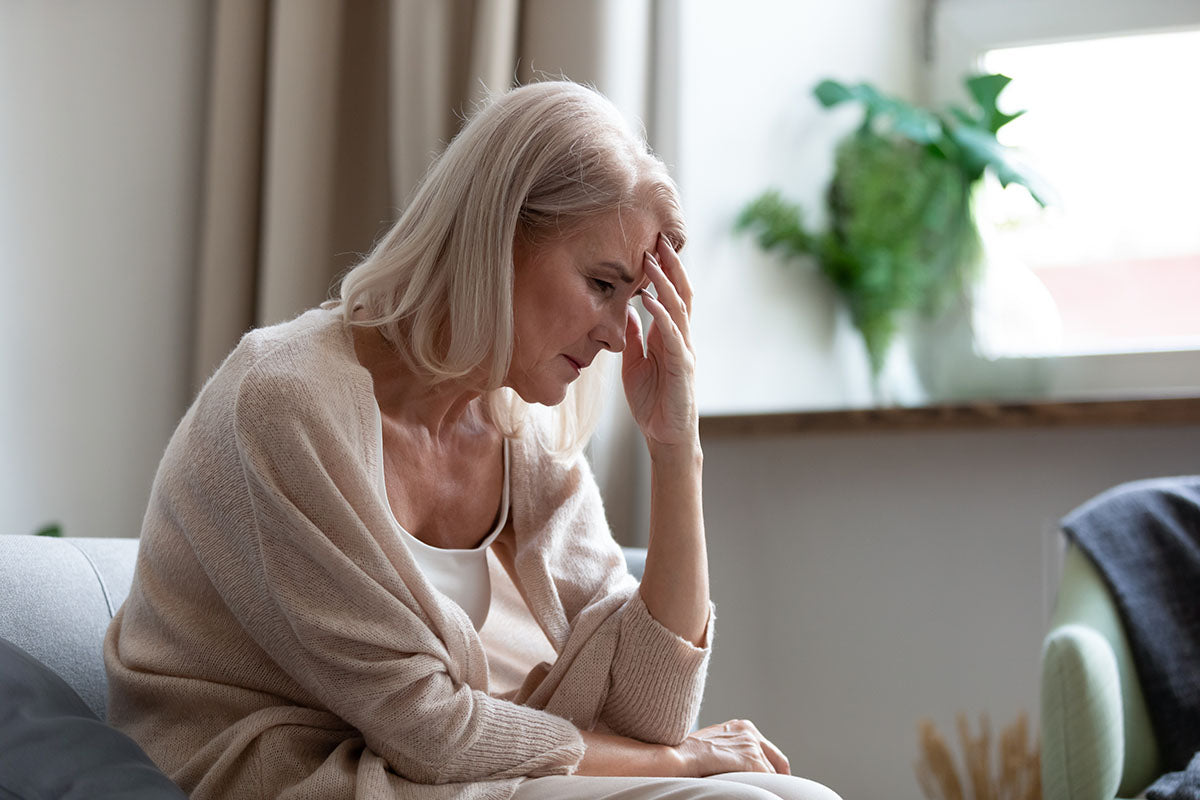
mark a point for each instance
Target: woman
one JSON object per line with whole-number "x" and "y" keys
{"x": 312, "y": 574}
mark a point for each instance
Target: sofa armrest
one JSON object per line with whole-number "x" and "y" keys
{"x": 1097, "y": 740}
{"x": 1083, "y": 733}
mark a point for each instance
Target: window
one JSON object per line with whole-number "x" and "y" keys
{"x": 1100, "y": 289}
{"x": 1118, "y": 252}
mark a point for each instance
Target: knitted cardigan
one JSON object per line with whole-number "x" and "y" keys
{"x": 279, "y": 640}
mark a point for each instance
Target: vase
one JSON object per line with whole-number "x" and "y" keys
{"x": 993, "y": 342}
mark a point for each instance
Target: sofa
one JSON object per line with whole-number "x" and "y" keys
{"x": 58, "y": 597}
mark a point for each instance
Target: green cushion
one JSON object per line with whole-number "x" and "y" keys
{"x": 1096, "y": 735}
{"x": 1083, "y": 734}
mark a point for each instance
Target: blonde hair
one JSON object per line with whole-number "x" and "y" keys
{"x": 539, "y": 161}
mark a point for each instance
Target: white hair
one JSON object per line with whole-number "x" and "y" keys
{"x": 538, "y": 161}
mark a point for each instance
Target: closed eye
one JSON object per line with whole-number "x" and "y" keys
{"x": 603, "y": 286}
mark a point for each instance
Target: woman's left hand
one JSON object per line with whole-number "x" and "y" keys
{"x": 659, "y": 370}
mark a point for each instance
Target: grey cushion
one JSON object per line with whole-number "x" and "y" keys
{"x": 53, "y": 746}
{"x": 57, "y": 597}
{"x": 635, "y": 560}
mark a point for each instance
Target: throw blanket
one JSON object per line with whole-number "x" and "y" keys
{"x": 1178, "y": 785}
{"x": 1144, "y": 538}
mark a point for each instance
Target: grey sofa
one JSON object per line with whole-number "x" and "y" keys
{"x": 58, "y": 596}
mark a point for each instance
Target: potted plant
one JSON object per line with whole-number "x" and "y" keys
{"x": 902, "y": 235}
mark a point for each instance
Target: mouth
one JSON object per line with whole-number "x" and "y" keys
{"x": 579, "y": 367}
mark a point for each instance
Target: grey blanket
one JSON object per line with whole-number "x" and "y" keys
{"x": 1183, "y": 785}
{"x": 1144, "y": 539}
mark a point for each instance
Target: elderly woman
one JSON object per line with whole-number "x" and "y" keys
{"x": 304, "y": 621}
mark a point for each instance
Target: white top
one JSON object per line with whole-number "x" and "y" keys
{"x": 459, "y": 574}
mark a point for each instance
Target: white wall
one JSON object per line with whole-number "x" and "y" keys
{"x": 100, "y": 128}
{"x": 864, "y": 581}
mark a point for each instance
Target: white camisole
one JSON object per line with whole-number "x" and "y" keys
{"x": 459, "y": 574}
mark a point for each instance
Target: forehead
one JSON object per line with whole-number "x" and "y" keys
{"x": 630, "y": 229}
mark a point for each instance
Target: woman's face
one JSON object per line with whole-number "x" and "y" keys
{"x": 570, "y": 297}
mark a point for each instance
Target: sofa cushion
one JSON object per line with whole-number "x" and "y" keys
{"x": 58, "y": 597}
{"x": 53, "y": 746}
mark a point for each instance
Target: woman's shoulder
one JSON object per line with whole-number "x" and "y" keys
{"x": 317, "y": 339}
{"x": 305, "y": 366}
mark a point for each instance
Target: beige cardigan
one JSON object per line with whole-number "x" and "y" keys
{"x": 279, "y": 640}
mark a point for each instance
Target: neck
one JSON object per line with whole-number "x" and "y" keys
{"x": 404, "y": 396}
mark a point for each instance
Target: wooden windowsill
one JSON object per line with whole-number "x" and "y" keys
{"x": 972, "y": 415}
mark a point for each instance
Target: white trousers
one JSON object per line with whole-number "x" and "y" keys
{"x": 729, "y": 786}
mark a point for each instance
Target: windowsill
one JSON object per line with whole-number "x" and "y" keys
{"x": 968, "y": 415}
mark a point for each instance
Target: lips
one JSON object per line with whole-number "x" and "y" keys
{"x": 578, "y": 365}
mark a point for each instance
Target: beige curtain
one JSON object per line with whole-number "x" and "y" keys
{"x": 322, "y": 117}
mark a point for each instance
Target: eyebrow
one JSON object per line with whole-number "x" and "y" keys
{"x": 622, "y": 273}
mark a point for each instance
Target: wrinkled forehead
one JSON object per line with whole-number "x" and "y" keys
{"x": 620, "y": 239}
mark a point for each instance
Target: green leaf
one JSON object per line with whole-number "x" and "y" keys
{"x": 53, "y": 529}
{"x": 890, "y": 113}
{"x": 830, "y": 93}
{"x": 982, "y": 151}
{"x": 985, "y": 89}
{"x": 915, "y": 124}
{"x": 777, "y": 223}
{"x": 963, "y": 116}
{"x": 999, "y": 120}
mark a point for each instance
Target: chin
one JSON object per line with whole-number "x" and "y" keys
{"x": 546, "y": 394}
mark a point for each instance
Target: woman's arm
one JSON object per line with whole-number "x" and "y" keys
{"x": 659, "y": 377}
{"x": 675, "y": 583}
{"x": 609, "y": 754}
{"x": 734, "y": 746}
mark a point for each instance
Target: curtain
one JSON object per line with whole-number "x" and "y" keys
{"x": 323, "y": 116}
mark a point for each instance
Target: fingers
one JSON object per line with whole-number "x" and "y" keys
{"x": 767, "y": 753}
{"x": 774, "y": 755}
{"x": 735, "y": 746}
{"x": 635, "y": 345}
{"x": 673, "y": 267}
{"x": 669, "y": 295}
{"x": 675, "y": 342}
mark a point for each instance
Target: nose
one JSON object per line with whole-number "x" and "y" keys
{"x": 610, "y": 332}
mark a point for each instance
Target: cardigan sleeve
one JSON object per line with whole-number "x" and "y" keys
{"x": 653, "y": 681}
{"x": 657, "y": 678}
{"x": 333, "y": 612}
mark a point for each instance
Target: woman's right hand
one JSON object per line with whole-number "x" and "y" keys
{"x": 734, "y": 746}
